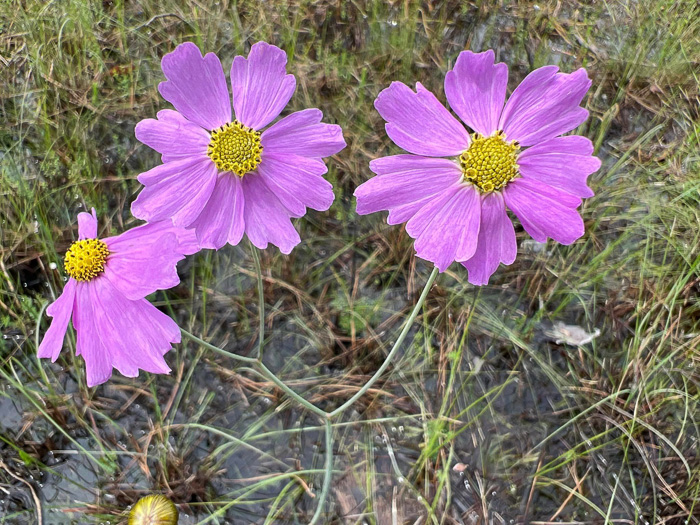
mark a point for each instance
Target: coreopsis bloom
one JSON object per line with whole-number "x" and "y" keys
{"x": 453, "y": 188}
{"x": 108, "y": 280}
{"x": 224, "y": 175}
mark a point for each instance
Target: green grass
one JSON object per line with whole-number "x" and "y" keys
{"x": 606, "y": 433}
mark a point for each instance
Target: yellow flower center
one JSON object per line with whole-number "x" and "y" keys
{"x": 490, "y": 162}
{"x": 85, "y": 259}
{"x": 235, "y": 147}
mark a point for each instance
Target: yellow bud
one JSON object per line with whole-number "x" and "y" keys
{"x": 153, "y": 510}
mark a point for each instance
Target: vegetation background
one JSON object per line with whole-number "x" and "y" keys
{"x": 492, "y": 413}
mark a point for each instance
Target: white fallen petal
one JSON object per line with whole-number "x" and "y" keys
{"x": 571, "y": 334}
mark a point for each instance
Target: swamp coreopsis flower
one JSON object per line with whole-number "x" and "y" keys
{"x": 108, "y": 281}
{"x": 455, "y": 206}
{"x": 222, "y": 175}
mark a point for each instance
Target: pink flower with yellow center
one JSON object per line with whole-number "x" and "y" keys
{"x": 453, "y": 188}
{"x": 224, "y": 174}
{"x": 105, "y": 295}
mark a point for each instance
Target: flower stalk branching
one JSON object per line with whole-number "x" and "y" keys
{"x": 326, "y": 417}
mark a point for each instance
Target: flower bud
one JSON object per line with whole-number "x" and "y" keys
{"x": 153, "y": 510}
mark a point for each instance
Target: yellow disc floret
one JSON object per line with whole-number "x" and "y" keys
{"x": 490, "y": 162}
{"x": 85, "y": 259}
{"x": 235, "y": 148}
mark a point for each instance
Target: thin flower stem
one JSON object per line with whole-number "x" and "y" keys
{"x": 261, "y": 304}
{"x": 263, "y": 370}
{"x": 261, "y": 343}
{"x": 328, "y": 476}
{"x": 216, "y": 348}
{"x": 291, "y": 393}
{"x": 326, "y": 416}
{"x": 397, "y": 345}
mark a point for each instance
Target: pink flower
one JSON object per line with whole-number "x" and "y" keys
{"x": 222, "y": 175}
{"x": 455, "y": 207}
{"x": 109, "y": 279}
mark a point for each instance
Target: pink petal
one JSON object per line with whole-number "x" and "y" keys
{"x": 87, "y": 225}
{"x": 173, "y": 136}
{"x": 572, "y": 144}
{"x": 162, "y": 325}
{"x": 133, "y": 334}
{"x": 196, "y": 86}
{"x": 261, "y": 87}
{"x": 266, "y": 219}
{"x": 476, "y": 90}
{"x": 139, "y": 265}
{"x": 559, "y": 163}
{"x": 188, "y": 240}
{"x": 297, "y": 182}
{"x": 303, "y": 133}
{"x": 452, "y": 233}
{"x": 496, "y": 241}
{"x": 432, "y": 206}
{"x": 222, "y": 221}
{"x": 419, "y": 123}
{"x": 152, "y": 231}
{"x": 404, "y": 212}
{"x": 404, "y": 184}
{"x": 177, "y": 190}
{"x": 60, "y": 310}
{"x": 545, "y": 105}
{"x": 98, "y": 359}
{"x": 544, "y": 211}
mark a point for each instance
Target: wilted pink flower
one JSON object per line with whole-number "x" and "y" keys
{"x": 455, "y": 207}
{"x": 109, "y": 279}
{"x": 222, "y": 175}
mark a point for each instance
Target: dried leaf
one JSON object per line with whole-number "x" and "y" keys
{"x": 571, "y": 334}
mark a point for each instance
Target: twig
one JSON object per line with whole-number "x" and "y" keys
{"x": 4, "y": 466}
{"x": 156, "y": 17}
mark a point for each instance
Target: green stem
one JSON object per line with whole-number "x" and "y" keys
{"x": 216, "y": 348}
{"x": 266, "y": 372}
{"x": 326, "y": 416}
{"x": 261, "y": 304}
{"x": 291, "y": 393}
{"x": 395, "y": 348}
{"x": 328, "y": 476}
